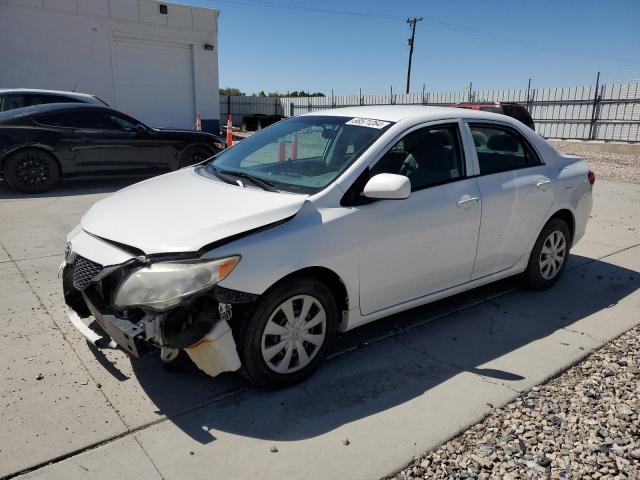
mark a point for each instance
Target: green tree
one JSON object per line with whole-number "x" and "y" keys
{"x": 232, "y": 91}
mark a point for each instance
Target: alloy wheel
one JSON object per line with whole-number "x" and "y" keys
{"x": 553, "y": 255}
{"x": 32, "y": 170}
{"x": 294, "y": 334}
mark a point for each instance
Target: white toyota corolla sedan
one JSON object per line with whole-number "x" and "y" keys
{"x": 255, "y": 259}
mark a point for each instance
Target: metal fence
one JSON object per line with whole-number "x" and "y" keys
{"x": 595, "y": 112}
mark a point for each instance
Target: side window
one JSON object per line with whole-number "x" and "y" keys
{"x": 428, "y": 156}
{"x": 11, "y": 102}
{"x": 95, "y": 120}
{"x": 501, "y": 149}
{"x": 56, "y": 99}
{"x": 124, "y": 124}
{"x": 54, "y": 120}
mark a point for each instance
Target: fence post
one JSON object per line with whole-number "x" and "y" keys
{"x": 528, "y": 100}
{"x": 291, "y": 109}
{"x": 593, "y": 111}
{"x": 228, "y": 104}
{"x": 277, "y": 101}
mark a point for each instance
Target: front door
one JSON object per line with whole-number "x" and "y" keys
{"x": 111, "y": 144}
{"x": 427, "y": 242}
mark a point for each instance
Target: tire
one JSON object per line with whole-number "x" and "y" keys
{"x": 273, "y": 359}
{"x": 549, "y": 255}
{"x": 31, "y": 171}
{"x": 193, "y": 155}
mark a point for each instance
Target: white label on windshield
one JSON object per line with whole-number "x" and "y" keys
{"x": 367, "y": 122}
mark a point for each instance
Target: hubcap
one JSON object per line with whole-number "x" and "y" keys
{"x": 32, "y": 170}
{"x": 293, "y": 334}
{"x": 552, "y": 257}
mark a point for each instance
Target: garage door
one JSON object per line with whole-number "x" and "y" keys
{"x": 154, "y": 82}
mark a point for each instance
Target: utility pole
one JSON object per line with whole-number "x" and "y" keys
{"x": 412, "y": 22}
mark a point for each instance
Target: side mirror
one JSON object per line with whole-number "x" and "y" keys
{"x": 388, "y": 186}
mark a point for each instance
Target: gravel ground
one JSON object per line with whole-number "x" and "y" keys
{"x": 584, "y": 424}
{"x": 610, "y": 166}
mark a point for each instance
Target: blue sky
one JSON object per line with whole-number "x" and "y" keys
{"x": 492, "y": 43}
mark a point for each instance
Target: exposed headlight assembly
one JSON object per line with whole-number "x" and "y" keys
{"x": 163, "y": 285}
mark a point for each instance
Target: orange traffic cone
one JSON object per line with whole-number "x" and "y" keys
{"x": 198, "y": 122}
{"x": 229, "y": 131}
{"x": 294, "y": 147}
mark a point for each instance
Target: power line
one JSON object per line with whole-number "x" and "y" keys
{"x": 412, "y": 23}
{"x": 436, "y": 23}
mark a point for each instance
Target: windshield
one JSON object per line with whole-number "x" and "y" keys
{"x": 302, "y": 154}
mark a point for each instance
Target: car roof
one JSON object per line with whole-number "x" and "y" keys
{"x": 46, "y": 108}
{"x": 488, "y": 104}
{"x": 422, "y": 113}
{"x": 48, "y": 92}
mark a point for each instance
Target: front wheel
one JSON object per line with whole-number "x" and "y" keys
{"x": 549, "y": 255}
{"x": 289, "y": 333}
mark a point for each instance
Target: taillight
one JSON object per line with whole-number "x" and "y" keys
{"x": 592, "y": 177}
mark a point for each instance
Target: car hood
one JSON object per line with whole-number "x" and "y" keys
{"x": 183, "y": 211}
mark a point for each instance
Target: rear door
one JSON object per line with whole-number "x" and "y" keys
{"x": 110, "y": 143}
{"x": 517, "y": 193}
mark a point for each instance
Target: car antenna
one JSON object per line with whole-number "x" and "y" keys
{"x": 74, "y": 87}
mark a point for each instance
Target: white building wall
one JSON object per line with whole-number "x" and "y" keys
{"x": 68, "y": 44}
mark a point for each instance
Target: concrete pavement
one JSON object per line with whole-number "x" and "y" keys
{"x": 393, "y": 389}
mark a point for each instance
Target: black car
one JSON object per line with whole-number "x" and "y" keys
{"x": 42, "y": 144}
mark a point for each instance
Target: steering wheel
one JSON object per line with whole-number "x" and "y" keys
{"x": 409, "y": 166}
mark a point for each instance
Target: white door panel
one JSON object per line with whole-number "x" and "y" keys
{"x": 413, "y": 247}
{"x": 514, "y": 203}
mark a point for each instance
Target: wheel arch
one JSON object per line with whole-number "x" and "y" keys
{"x": 327, "y": 276}
{"x": 567, "y": 217}
{"x": 30, "y": 147}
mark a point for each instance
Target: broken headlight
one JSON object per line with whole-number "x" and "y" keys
{"x": 163, "y": 285}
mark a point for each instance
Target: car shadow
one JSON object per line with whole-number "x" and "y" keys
{"x": 73, "y": 187}
{"x": 391, "y": 361}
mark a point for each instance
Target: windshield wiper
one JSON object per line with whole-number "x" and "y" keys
{"x": 224, "y": 178}
{"x": 261, "y": 182}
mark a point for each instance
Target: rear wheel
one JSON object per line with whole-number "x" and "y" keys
{"x": 194, "y": 155}
{"x": 31, "y": 171}
{"x": 549, "y": 255}
{"x": 289, "y": 333}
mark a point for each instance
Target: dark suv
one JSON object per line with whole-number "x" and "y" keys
{"x": 11, "y": 99}
{"x": 511, "y": 109}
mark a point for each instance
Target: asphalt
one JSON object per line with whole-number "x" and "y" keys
{"x": 390, "y": 390}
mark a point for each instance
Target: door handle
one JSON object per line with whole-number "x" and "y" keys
{"x": 543, "y": 184}
{"x": 468, "y": 201}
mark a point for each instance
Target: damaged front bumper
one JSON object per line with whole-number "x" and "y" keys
{"x": 199, "y": 326}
